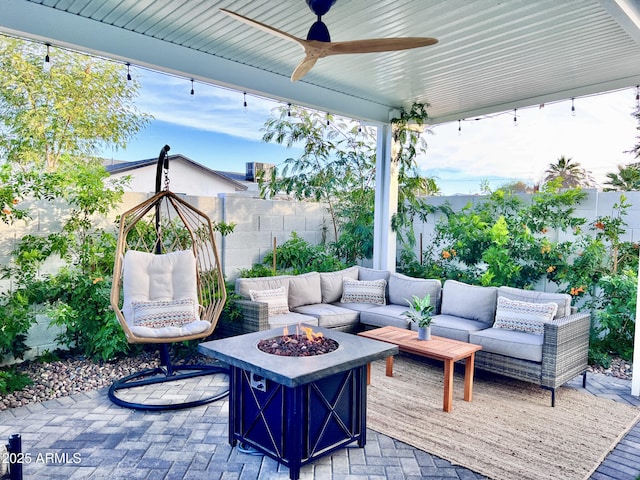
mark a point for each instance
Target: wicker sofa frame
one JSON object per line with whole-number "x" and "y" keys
{"x": 565, "y": 348}
{"x": 565, "y": 351}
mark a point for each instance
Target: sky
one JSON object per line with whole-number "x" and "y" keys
{"x": 212, "y": 127}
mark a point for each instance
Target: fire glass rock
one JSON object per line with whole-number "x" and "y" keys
{"x": 297, "y": 346}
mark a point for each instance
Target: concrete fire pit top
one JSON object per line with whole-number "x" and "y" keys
{"x": 242, "y": 351}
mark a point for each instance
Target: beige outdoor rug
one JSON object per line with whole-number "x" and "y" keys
{"x": 509, "y": 431}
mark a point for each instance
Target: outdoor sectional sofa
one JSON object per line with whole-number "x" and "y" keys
{"x": 528, "y": 335}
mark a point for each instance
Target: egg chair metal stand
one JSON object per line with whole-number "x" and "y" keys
{"x": 168, "y": 287}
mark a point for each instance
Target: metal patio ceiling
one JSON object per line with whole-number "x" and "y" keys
{"x": 492, "y": 55}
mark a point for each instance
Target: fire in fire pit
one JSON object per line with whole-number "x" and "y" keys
{"x": 308, "y": 344}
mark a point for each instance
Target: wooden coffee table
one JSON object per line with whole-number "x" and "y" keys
{"x": 439, "y": 348}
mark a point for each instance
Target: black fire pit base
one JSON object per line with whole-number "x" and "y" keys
{"x": 297, "y": 409}
{"x": 321, "y": 416}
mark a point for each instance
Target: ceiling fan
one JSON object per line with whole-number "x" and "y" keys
{"x": 318, "y": 43}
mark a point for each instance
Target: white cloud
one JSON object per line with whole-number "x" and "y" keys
{"x": 210, "y": 108}
{"x": 596, "y": 137}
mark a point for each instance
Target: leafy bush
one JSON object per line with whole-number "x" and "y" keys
{"x": 12, "y": 380}
{"x": 614, "y": 324}
{"x": 296, "y": 256}
{"x": 503, "y": 241}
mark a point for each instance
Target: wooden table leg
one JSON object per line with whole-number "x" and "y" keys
{"x": 468, "y": 377}
{"x": 369, "y": 373}
{"x": 448, "y": 386}
{"x": 390, "y": 366}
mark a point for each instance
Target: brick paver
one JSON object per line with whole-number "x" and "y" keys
{"x": 85, "y": 436}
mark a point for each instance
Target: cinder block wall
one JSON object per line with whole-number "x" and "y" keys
{"x": 258, "y": 223}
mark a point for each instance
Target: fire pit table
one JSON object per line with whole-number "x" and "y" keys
{"x": 297, "y": 409}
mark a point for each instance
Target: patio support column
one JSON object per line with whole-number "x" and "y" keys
{"x": 386, "y": 202}
{"x": 635, "y": 375}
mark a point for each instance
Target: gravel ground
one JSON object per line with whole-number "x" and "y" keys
{"x": 77, "y": 374}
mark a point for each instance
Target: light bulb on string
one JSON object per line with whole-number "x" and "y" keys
{"x": 328, "y": 120}
{"x": 638, "y": 96}
{"x": 288, "y": 109}
{"x": 459, "y": 127}
{"x": 129, "y": 79}
{"x": 245, "y": 100}
{"x": 573, "y": 108}
{"x": 515, "y": 117}
{"x": 193, "y": 92}
{"x": 46, "y": 66}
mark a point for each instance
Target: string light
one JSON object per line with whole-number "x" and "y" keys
{"x": 573, "y": 108}
{"x": 459, "y": 127}
{"x": 638, "y": 96}
{"x": 192, "y": 90}
{"x": 515, "y": 117}
{"x": 46, "y": 66}
{"x": 129, "y": 80}
{"x": 328, "y": 120}
{"x": 245, "y": 100}
{"x": 288, "y": 109}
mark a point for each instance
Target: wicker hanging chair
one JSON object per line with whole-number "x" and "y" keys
{"x": 167, "y": 287}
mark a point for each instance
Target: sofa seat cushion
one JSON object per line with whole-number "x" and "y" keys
{"x": 329, "y": 315}
{"x": 382, "y": 316}
{"x": 455, "y": 328}
{"x": 469, "y": 301}
{"x": 356, "y": 307}
{"x": 562, "y": 299}
{"x": 292, "y": 318}
{"x": 511, "y": 343}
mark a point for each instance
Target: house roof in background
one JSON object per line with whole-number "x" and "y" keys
{"x": 236, "y": 180}
{"x": 492, "y": 55}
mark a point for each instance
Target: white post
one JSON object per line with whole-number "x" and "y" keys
{"x": 635, "y": 375}
{"x": 386, "y": 202}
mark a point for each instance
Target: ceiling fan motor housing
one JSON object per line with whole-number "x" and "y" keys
{"x": 320, "y": 7}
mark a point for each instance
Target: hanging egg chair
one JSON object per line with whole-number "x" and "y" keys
{"x": 167, "y": 286}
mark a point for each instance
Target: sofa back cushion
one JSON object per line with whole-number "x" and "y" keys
{"x": 469, "y": 301}
{"x": 331, "y": 283}
{"x": 369, "y": 274}
{"x": 562, "y": 299}
{"x": 402, "y": 288}
{"x": 243, "y": 285}
{"x": 304, "y": 290}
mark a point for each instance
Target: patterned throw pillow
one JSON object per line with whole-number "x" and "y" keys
{"x": 163, "y": 313}
{"x": 524, "y": 316}
{"x": 275, "y": 298}
{"x": 363, "y": 291}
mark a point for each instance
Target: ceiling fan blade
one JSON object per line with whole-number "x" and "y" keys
{"x": 263, "y": 27}
{"x": 378, "y": 45}
{"x": 303, "y": 67}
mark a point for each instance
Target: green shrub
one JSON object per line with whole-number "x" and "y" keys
{"x": 297, "y": 256}
{"x": 12, "y": 380}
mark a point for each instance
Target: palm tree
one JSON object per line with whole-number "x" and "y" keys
{"x": 571, "y": 173}
{"x": 626, "y": 180}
